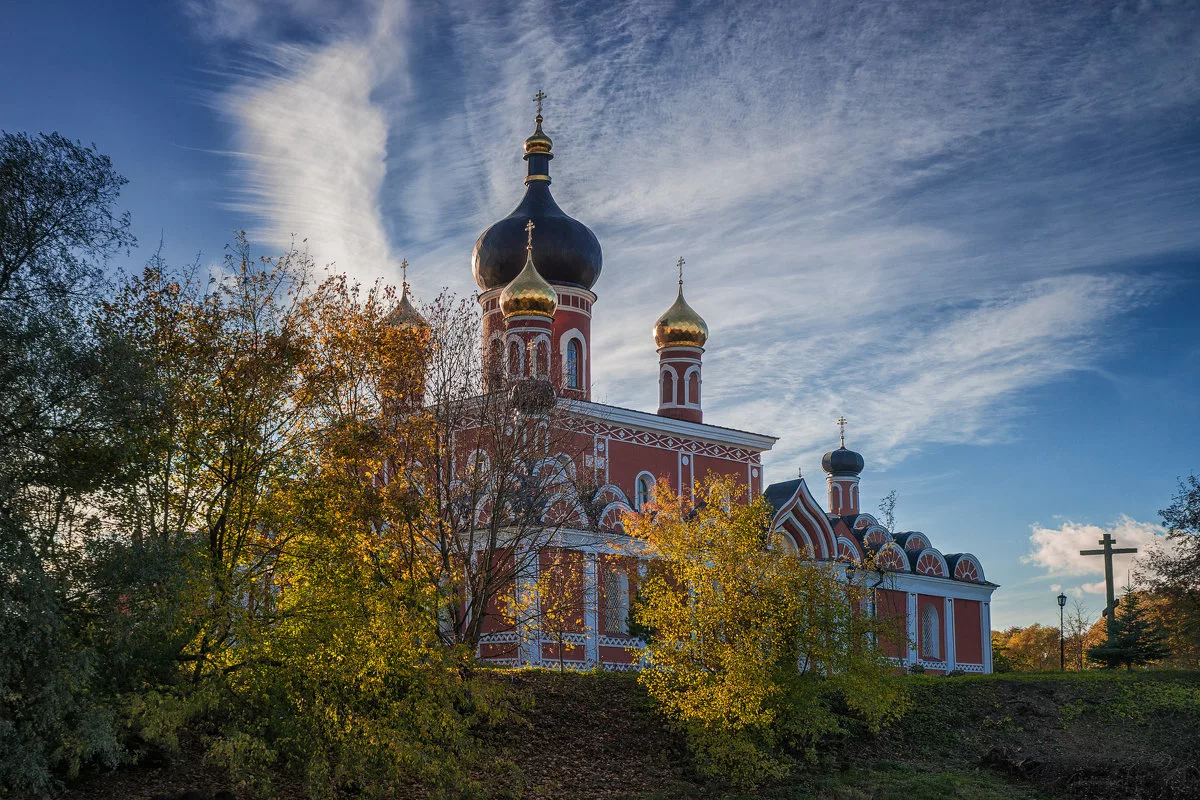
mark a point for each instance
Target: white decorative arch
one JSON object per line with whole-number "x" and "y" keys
{"x": 612, "y": 517}
{"x": 688, "y": 400}
{"x": 567, "y": 462}
{"x": 892, "y": 557}
{"x": 848, "y": 548}
{"x": 577, "y": 335}
{"x": 534, "y": 371}
{"x": 788, "y": 543}
{"x": 876, "y": 536}
{"x": 663, "y": 370}
{"x": 479, "y": 459}
{"x": 508, "y": 343}
{"x": 565, "y": 509}
{"x": 931, "y": 555}
{"x": 968, "y": 558}
{"x": 552, "y": 470}
{"x": 611, "y": 493}
{"x": 637, "y": 495}
{"x": 916, "y": 541}
{"x": 863, "y": 521}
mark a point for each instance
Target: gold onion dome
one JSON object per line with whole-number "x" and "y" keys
{"x": 539, "y": 142}
{"x": 405, "y": 315}
{"x": 529, "y": 294}
{"x": 680, "y": 326}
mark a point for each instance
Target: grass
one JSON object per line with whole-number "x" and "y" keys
{"x": 996, "y": 737}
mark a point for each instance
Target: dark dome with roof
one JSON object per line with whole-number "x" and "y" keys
{"x": 566, "y": 253}
{"x": 843, "y": 462}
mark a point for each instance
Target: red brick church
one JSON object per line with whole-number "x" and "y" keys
{"x": 537, "y": 270}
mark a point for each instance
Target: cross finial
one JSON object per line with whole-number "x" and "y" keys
{"x": 404, "y": 273}
{"x": 680, "y": 264}
{"x": 538, "y": 98}
{"x": 529, "y": 226}
{"x": 841, "y": 421}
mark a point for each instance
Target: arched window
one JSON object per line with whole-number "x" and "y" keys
{"x": 693, "y": 389}
{"x": 644, "y": 485}
{"x": 495, "y": 360}
{"x": 931, "y": 631}
{"x": 514, "y": 358}
{"x": 616, "y": 601}
{"x": 668, "y": 387}
{"x": 543, "y": 359}
{"x": 574, "y": 379}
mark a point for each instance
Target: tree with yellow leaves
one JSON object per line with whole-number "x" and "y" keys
{"x": 749, "y": 646}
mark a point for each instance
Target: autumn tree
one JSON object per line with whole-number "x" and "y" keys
{"x": 505, "y": 476}
{"x": 749, "y": 645}
{"x": 1033, "y": 648}
{"x": 1078, "y": 636}
{"x": 1170, "y": 573}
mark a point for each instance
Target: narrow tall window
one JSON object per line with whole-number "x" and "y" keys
{"x": 693, "y": 390}
{"x": 496, "y": 361}
{"x": 514, "y": 358}
{"x": 668, "y": 387}
{"x": 574, "y": 380}
{"x": 616, "y": 602}
{"x": 643, "y": 491}
{"x": 543, "y": 359}
{"x": 931, "y": 646}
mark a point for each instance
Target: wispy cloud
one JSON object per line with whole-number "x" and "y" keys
{"x": 910, "y": 214}
{"x": 1057, "y": 549}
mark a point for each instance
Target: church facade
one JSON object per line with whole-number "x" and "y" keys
{"x": 536, "y": 270}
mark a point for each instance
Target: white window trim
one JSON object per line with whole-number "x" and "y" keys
{"x": 578, "y": 336}
{"x": 687, "y": 387}
{"x": 512, "y": 337}
{"x": 675, "y": 393}
{"x": 637, "y": 500}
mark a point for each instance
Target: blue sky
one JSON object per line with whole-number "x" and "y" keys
{"x": 972, "y": 228}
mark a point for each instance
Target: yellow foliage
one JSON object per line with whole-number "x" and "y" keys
{"x": 748, "y": 643}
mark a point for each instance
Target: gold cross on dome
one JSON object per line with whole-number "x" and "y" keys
{"x": 538, "y": 98}
{"x": 680, "y": 264}
{"x": 529, "y": 226}
{"x": 404, "y": 272}
{"x": 841, "y": 421}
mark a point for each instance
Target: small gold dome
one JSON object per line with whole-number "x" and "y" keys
{"x": 406, "y": 315}
{"x": 539, "y": 142}
{"x": 529, "y": 293}
{"x": 680, "y": 326}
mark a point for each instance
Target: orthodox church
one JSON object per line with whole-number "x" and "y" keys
{"x": 537, "y": 270}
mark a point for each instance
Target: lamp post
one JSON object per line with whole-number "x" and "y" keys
{"x": 1062, "y": 649}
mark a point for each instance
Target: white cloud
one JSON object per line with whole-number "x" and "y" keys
{"x": 1057, "y": 549}
{"x": 312, "y": 142}
{"x": 908, "y": 215}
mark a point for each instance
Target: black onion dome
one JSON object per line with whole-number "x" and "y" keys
{"x": 843, "y": 462}
{"x": 567, "y": 252}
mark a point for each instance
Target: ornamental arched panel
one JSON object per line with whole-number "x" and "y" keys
{"x": 890, "y": 557}
{"x": 968, "y": 569}
{"x": 931, "y": 562}
{"x": 877, "y": 537}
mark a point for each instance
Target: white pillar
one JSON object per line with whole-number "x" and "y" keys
{"x": 985, "y": 626}
{"x": 913, "y": 653}
{"x": 950, "y": 644}
{"x": 591, "y": 613}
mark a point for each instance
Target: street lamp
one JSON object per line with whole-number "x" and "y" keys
{"x": 1062, "y": 650}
